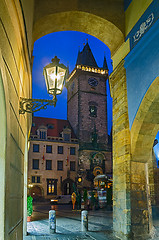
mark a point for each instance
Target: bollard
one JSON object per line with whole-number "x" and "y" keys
{"x": 84, "y": 221}
{"x": 52, "y": 221}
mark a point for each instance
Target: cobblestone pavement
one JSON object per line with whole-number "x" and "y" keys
{"x": 68, "y": 227}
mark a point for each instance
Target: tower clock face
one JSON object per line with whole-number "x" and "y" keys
{"x": 93, "y": 82}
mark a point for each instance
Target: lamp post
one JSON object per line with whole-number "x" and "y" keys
{"x": 55, "y": 74}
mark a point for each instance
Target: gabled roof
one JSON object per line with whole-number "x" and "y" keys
{"x": 85, "y": 57}
{"x": 54, "y": 126}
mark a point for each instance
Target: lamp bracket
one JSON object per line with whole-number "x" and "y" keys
{"x": 30, "y": 105}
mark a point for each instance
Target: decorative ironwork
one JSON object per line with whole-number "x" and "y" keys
{"x": 33, "y": 105}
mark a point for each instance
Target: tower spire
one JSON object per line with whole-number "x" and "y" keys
{"x": 85, "y": 57}
{"x": 105, "y": 66}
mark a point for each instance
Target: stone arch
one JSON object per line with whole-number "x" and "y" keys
{"x": 85, "y": 22}
{"x": 37, "y": 192}
{"x": 143, "y": 132}
{"x": 64, "y": 186}
{"x": 146, "y": 124}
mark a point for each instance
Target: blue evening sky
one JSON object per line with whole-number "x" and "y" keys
{"x": 64, "y": 45}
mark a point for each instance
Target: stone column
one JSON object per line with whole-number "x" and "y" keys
{"x": 121, "y": 154}
{"x": 132, "y": 214}
{"x": 141, "y": 213}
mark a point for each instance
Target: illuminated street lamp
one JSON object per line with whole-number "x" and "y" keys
{"x": 55, "y": 74}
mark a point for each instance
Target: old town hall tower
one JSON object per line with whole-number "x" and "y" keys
{"x": 87, "y": 114}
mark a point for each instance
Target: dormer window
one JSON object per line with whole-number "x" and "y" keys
{"x": 66, "y": 137}
{"x": 42, "y": 132}
{"x": 66, "y": 134}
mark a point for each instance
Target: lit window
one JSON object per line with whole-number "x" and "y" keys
{"x": 48, "y": 148}
{"x": 48, "y": 164}
{"x": 51, "y": 186}
{"x": 35, "y": 164}
{"x": 72, "y": 150}
{"x": 35, "y": 147}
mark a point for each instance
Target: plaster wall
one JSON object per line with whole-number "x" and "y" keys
{"x": 142, "y": 67}
{"x": 15, "y": 64}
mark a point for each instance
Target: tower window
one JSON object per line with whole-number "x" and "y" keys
{"x": 93, "y": 111}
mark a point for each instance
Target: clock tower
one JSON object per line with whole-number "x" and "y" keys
{"x": 87, "y": 114}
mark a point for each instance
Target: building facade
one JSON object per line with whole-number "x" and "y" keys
{"x": 53, "y": 158}
{"x": 87, "y": 114}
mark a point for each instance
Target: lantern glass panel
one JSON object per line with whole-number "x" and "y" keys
{"x": 51, "y": 76}
{"x": 60, "y": 79}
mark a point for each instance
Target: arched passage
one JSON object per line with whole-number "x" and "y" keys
{"x": 143, "y": 132}
{"x": 146, "y": 124}
{"x": 100, "y": 28}
{"x": 67, "y": 186}
{"x": 96, "y": 26}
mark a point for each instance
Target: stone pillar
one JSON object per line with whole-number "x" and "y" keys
{"x": 141, "y": 213}
{"x": 121, "y": 154}
{"x": 132, "y": 215}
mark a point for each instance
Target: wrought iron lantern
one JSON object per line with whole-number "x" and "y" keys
{"x": 55, "y": 75}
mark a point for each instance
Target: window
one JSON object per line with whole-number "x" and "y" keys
{"x": 42, "y": 134}
{"x": 51, "y": 186}
{"x": 66, "y": 137}
{"x": 35, "y": 179}
{"x": 48, "y": 149}
{"x": 38, "y": 179}
{"x": 72, "y": 166}
{"x": 93, "y": 111}
{"x": 60, "y": 165}
{"x": 48, "y": 164}
{"x": 35, "y": 147}
{"x": 35, "y": 163}
{"x": 72, "y": 150}
{"x": 60, "y": 149}
{"x": 50, "y": 126}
